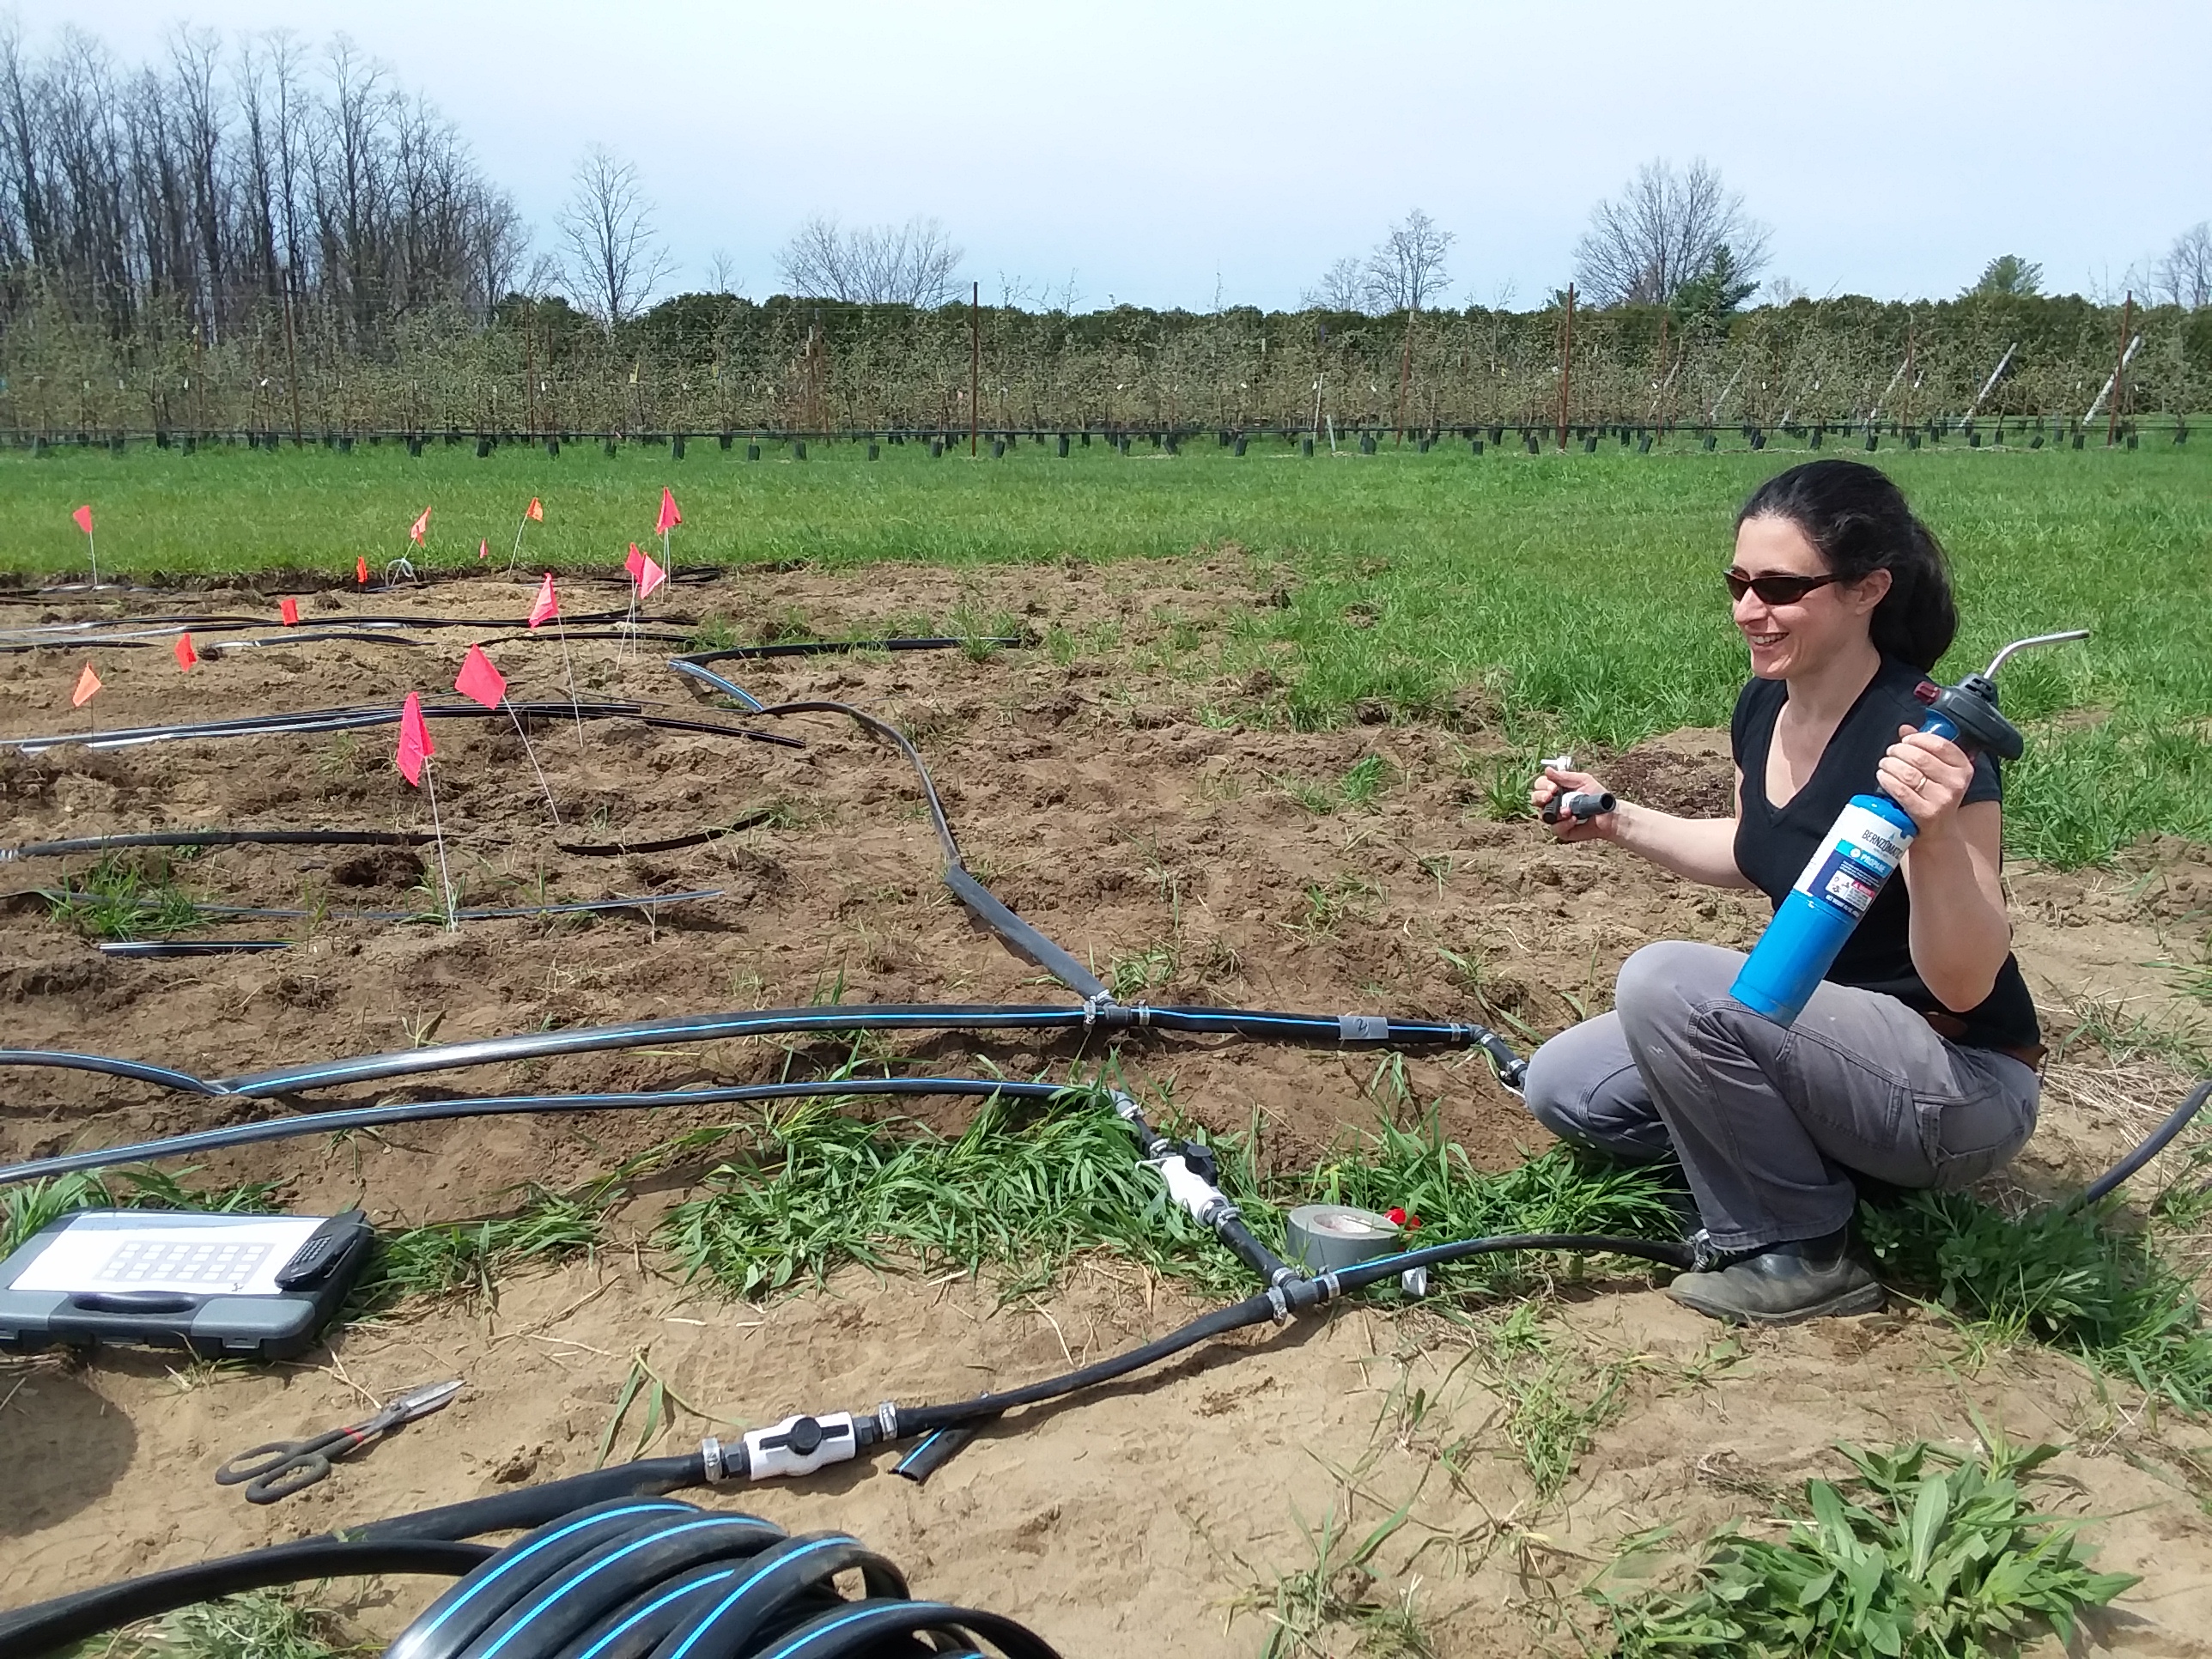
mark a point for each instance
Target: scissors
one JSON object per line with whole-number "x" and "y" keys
{"x": 283, "y": 1467}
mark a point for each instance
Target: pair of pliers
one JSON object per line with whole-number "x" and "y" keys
{"x": 283, "y": 1467}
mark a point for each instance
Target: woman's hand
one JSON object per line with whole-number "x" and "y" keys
{"x": 1555, "y": 784}
{"x": 1926, "y": 775}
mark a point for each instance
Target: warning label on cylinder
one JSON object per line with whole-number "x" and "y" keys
{"x": 1862, "y": 854}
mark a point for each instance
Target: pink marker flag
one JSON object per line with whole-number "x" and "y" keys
{"x": 547, "y": 604}
{"x": 484, "y": 548}
{"x": 650, "y": 576}
{"x": 288, "y": 609}
{"x": 422, "y": 528}
{"x": 87, "y": 683}
{"x": 479, "y": 680}
{"x": 670, "y": 518}
{"x": 415, "y": 744}
{"x": 634, "y": 564}
{"x": 83, "y": 517}
{"x": 187, "y": 653}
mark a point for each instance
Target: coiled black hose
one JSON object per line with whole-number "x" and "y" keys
{"x": 617, "y": 1578}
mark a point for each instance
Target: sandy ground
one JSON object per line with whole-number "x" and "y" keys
{"x": 1132, "y": 806}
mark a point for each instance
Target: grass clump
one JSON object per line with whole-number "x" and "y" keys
{"x": 1923, "y": 1555}
{"x": 457, "y": 1257}
{"x": 1313, "y": 1609}
{"x": 2055, "y": 1277}
{"x": 26, "y": 1208}
{"x": 813, "y": 1189}
{"x": 123, "y": 897}
{"x": 1363, "y": 781}
{"x": 258, "y": 1625}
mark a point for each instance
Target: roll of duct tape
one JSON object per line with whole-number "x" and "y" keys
{"x": 1324, "y": 1238}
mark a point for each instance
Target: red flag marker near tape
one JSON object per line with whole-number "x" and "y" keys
{"x": 533, "y": 514}
{"x": 415, "y": 744}
{"x": 479, "y": 681}
{"x": 288, "y": 609}
{"x": 187, "y": 653}
{"x": 670, "y": 518}
{"x": 483, "y": 683}
{"x": 413, "y": 761}
{"x": 361, "y": 569}
{"x": 634, "y": 564}
{"x": 547, "y": 607}
{"x": 87, "y": 684}
{"x": 82, "y": 518}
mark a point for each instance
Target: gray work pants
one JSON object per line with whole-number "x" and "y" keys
{"x": 1770, "y": 1123}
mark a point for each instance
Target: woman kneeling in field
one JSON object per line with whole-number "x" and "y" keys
{"x": 1915, "y": 1061}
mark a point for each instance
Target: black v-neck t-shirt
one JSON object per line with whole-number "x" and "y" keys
{"x": 1774, "y": 845}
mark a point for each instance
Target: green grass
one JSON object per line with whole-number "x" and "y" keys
{"x": 27, "y": 1207}
{"x": 124, "y": 897}
{"x": 258, "y": 1625}
{"x": 811, "y": 1190}
{"x": 1923, "y": 1555}
{"x": 1580, "y": 591}
{"x": 2059, "y": 1278}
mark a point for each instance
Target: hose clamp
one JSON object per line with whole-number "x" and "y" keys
{"x": 1278, "y": 1304}
{"x": 887, "y": 1420}
{"x": 1331, "y": 1287}
{"x": 710, "y": 1454}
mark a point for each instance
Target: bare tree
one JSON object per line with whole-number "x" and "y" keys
{"x": 722, "y": 275}
{"x": 1406, "y": 271}
{"x": 615, "y": 258}
{"x": 2183, "y": 276}
{"x": 1662, "y": 230}
{"x": 1342, "y": 286}
{"x": 915, "y": 264}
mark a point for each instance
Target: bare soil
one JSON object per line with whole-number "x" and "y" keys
{"x": 1131, "y": 803}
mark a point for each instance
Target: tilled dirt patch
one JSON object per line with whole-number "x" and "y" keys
{"x": 1131, "y": 785}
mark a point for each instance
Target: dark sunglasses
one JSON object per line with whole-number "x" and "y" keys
{"x": 1774, "y": 590}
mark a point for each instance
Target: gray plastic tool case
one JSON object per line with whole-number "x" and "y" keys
{"x": 216, "y": 1325}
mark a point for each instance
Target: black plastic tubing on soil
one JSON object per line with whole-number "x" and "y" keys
{"x": 347, "y": 719}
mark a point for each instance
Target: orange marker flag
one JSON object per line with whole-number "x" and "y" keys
{"x": 288, "y": 609}
{"x": 361, "y": 569}
{"x": 534, "y": 511}
{"x": 415, "y": 744}
{"x": 186, "y": 654}
{"x": 649, "y": 576}
{"x": 547, "y": 605}
{"x": 479, "y": 680}
{"x": 87, "y": 683}
{"x": 421, "y": 528}
{"x": 83, "y": 517}
{"x": 670, "y": 518}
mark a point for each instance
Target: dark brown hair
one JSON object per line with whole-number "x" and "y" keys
{"x": 1859, "y": 522}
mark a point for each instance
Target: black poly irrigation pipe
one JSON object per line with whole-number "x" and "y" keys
{"x": 348, "y": 720}
{"x": 153, "y": 948}
{"x": 822, "y": 647}
{"x": 199, "y": 1141}
{"x": 2154, "y": 1143}
{"x": 55, "y": 849}
{"x": 1024, "y": 940}
{"x": 48, "y": 1626}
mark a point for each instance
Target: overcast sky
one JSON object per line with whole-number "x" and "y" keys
{"x": 1160, "y": 153}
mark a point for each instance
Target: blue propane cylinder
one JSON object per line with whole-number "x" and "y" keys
{"x": 1863, "y": 849}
